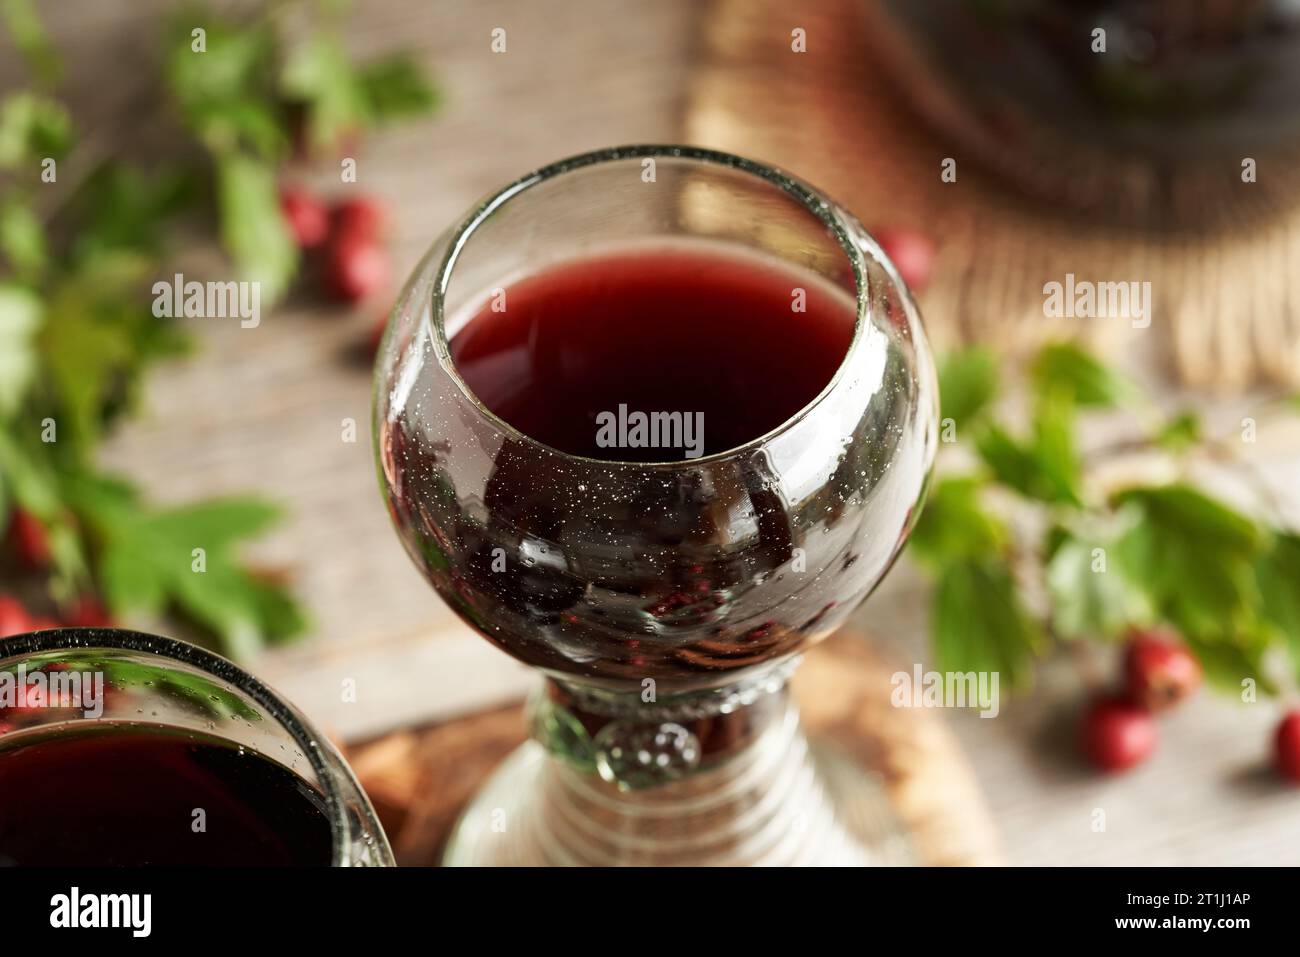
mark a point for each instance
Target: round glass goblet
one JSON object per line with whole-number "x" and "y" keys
{"x": 95, "y": 686}
{"x": 665, "y": 603}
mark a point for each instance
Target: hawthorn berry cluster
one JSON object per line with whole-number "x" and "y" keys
{"x": 1118, "y": 729}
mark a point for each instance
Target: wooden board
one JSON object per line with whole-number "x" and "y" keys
{"x": 419, "y": 780}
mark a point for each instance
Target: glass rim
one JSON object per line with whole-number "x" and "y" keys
{"x": 173, "y": 649}
{"x": 826, "y": 210}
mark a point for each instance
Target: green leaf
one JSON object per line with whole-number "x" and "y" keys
{"x": 86, "y": 349}
{"x": 226, "y": 92}
{"x": 230, "y": 126}
{"x": 396, "y": 87}
{"x": 1179, "y": 505}
{"x": 120, "y": 208}
{"x": 29, "y": 479}
{"x": 20, "y": 317}
{"x": 32, "y": 128}
{"x": 979, "y": 623}
{"x": 319, "y": 74}
{"x": 99, "y": 336}
{"x": 103, "y": 500}
{"x": 217, "y": 523}
{"x": 22, "y": 239}
{"x": 252, "y": 229}
{"x": 149, "y": 562}
{"x": 1066, "y": 369}
{"x": 1054, "y": 450}
{"x": 1090, "y": 598}
{"x": 1194, "y": 557}
{"x": 1046, "y": 467}
{"x": 30, "y": 39}
{"x": 129, "y": 579}
{"x": 1180, "y": 432}
{"x": 1278, "y": 575}
{"x": 968, "y": 383}
{"x": 954, "y": 524}
{"x": 1228, "y": 664}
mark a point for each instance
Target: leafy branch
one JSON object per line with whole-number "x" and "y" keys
{"x": 1084, "y": 561}
{"x": 77, "y": 334}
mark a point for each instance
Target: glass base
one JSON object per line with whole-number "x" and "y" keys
{"x": 786, "y": 801}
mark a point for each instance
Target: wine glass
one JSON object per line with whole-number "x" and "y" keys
{"x": 665, "y": 603}
{"x": 151, "y": 750}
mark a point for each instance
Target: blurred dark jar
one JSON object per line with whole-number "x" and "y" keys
{"x": 1184, "y": 92}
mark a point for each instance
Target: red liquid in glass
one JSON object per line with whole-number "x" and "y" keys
{"x": 114, "y": 796}
{"x": 614, "y": 572}
{"x": 745, "y": 342}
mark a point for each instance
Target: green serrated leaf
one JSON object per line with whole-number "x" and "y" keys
{"x": 32, "y": 128}
{"x": 232, "y": 125}
{"x": 233, "y": 60}
{"x": 29, "y": 38}
{"x": 1091, "y": 598}
{"x": 968, "y": 384}
{"x": 955, "y": 525}
{"x": 1180, "y": 432}
{"x": 20, "y": 319}
{"x": 122, "y": 209}
{"x": 1054, "y": 450}
{"x": 1194, "y": 558}
{"x": 1067, "y": 370}
{"x": 1045, "y": 468}
{"x": 396, "y": 87}
{"x": 29, "y": 479}
{"x": 319, "y": 74}
{"x": 1228, "y": 664}
{"x": 214, "y": 524}
{"x": 22, "y": 239}
{"x": 105, "y": 500}
{"x": 979, "y": 623}
{"x": 252, "y": 229}
{"x": 85, "y": 351}
{"x": 184, "y": 558}
{"x": 129, "y": 581}
{"x": 1278, "y": 575}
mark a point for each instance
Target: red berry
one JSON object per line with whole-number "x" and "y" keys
{"x": 30, "y": 543}
{"x": 911, "y": 252}
{"x": 1117, "y": 734}
{"x": 355, "y": 267}
{"x": 1287, "y": 745}
{"x": 1159, "y": 671}
{"x": 308, "y": 219}
{"x": 14, "y": 619}
{"x": 359, "y": 218}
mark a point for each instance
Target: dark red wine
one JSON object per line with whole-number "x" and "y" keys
{"x": 734, "y": 345}
{"x": 610, "y": 569}
{"x": 116, "y": 796}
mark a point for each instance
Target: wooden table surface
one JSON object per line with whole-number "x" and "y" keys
{"x": 262, "y": 409}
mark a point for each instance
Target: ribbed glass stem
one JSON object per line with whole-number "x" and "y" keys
{"x": 679, "y": 783}
{"x": 763, "y": 806}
